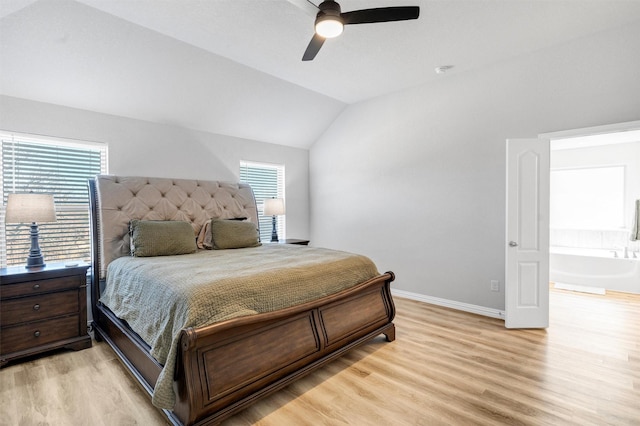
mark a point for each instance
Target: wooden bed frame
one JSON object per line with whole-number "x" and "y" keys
{"x": 224, "y": 367}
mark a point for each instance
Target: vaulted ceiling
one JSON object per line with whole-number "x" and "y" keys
{"x": 234, "y": 66}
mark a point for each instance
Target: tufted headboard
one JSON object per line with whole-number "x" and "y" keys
{"x": 116, "y": 200}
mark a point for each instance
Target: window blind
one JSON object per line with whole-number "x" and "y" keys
{"x": 61, "y": 168}
{"x": 267, "y": 181}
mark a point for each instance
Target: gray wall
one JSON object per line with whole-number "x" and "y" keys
{"x": 416, "y": 179}
{"x": 141, "y": 148}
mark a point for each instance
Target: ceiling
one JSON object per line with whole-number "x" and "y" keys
{"x": 234, "y": 67}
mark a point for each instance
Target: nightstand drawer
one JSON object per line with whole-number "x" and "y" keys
{"x": 39, "y": 333}
{"x": 40, "y": 286}
{"x": 36, "y": 308}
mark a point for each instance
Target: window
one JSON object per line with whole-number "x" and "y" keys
{"x": 53, "y": 166}
{"x": 588, "y": 198}
{"x": 267, "y": 181}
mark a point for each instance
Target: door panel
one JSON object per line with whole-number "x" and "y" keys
{"x": 527, "y": 232}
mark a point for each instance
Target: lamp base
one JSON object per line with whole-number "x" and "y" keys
{"x": 35, "y": 262}
{"x": 35, "y": 258}
{"x": 274, "y": 232}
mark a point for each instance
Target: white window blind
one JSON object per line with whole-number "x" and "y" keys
{"x": 58, "y": 167}
{"x": 267, "y": 181}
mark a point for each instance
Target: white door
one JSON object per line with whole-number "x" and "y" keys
{"x": 527, "y": 242}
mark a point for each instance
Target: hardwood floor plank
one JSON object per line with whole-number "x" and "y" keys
{"x": 445, "y": 367}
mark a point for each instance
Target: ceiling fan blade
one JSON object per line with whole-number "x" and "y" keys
{"x": 312, "y": 49}
{"x": 381, "y": 14}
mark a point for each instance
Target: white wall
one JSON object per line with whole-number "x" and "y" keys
{"x": 416, "y": 179}
{"x": 140, "y": 148}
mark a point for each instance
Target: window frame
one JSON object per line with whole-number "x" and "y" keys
{"x": 265, "y": 222}
{"x": 72, "y": 211}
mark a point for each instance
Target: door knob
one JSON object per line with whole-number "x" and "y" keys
{"x": 513, "y": 244}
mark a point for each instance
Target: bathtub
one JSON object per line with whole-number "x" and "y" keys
{"x": 594, "y": 268}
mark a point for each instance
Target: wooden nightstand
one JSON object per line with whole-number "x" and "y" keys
{"x": 294, "y": 241}
{"x": 42, "y": 309}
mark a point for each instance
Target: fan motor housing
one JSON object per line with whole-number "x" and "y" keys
{"x": 329, "y": 7}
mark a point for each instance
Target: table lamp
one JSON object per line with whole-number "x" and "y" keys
{"x": 34, "y": 208}
{"x": 274, "y": 207}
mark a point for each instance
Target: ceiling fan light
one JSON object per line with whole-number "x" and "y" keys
{"x": 329, "y": 26}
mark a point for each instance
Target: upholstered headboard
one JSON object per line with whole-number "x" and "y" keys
{"x": 116, "y": 200}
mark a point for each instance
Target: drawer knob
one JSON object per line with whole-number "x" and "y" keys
{"x": 36, "y": 307}
{"x": 36, "y": 286}
{"x": 37, "y": 333}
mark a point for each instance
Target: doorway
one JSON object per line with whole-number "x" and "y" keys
{"x": 594, "y": 185}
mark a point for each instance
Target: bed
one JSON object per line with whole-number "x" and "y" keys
{"x": 213, "y": 369}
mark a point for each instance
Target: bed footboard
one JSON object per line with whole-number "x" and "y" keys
{"x": 227, "y": 366}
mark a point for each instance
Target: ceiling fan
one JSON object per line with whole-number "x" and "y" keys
{"x": 330, "y": 20}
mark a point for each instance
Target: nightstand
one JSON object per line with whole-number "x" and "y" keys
{"x": 294, "y": 241}
{"x": 42, "y": 309}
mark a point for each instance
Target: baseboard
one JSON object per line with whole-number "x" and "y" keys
{"x": 466, "y": 307}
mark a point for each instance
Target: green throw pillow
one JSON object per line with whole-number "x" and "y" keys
{"x": 161, "y": 238}
{"x": 230, "y": 234}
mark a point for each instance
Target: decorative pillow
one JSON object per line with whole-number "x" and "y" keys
{"x": 204, "y": 237}
{"x": 229, "y": 234}
{"x": 161, "y": 238}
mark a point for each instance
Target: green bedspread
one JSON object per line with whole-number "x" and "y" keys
{"x": 159, "y": 296}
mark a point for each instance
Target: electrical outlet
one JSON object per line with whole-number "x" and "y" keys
{"x": 495, "y": 285}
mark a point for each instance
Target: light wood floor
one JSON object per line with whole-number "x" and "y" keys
{"x": 446, "y": 367}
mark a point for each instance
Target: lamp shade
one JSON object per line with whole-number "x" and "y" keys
{"x": 25, "y": 208}
{"x": 273, "y": 207}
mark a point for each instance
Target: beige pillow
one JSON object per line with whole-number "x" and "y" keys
{"x": 204, "y": 237}
{"x": 230, "y": 234}
{"x": 161, "y": 238}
